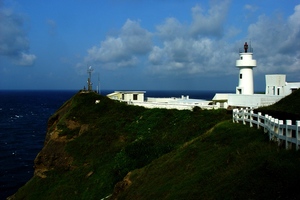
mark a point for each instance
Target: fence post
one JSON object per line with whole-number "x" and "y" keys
{"x": 233, "y": 115}
{"x": 297, "y": 135}
{"x": 236, "y": 115}
{"x": 251, "y": 118}
{"x": 266, "y": 123}
{"x": 272, "y": 128}
{"x": 258, "y": 119}
{"x": 280, "y": 132}
{"x": 243, "y": 116}
{"x": 288, "y": 134}
{"x": 276, "y": 126}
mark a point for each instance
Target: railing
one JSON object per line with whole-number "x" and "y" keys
{"x": 285, "y": 134}
{"x": 249, "y": 50}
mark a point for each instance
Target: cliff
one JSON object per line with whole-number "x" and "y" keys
{"x": 111, "y": 150}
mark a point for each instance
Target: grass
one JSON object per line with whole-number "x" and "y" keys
{"x": 286, "y": 108}
{"x": 171, "y": 154}
{"x": 120, "y": 138}
{"x": 231, "y": 162}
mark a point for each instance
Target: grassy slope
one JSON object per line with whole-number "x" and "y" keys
{"x": 171, "y": 154}
{"x": 286, "y": 108}
{"x": 231, "y": 162}
{"x": 120, "y": 138}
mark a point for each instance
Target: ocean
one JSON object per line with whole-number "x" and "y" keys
{"x": 23, "y": 127}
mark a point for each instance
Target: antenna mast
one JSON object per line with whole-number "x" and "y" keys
{"x": 89, "y": 82}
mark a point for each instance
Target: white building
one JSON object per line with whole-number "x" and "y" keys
{"x": 128, "y": 96}
{"x": 276, "y": 89}
{"x": 137, "y": 98}
{"x": 276, "y": 86}
{"x": 246, "y": 65}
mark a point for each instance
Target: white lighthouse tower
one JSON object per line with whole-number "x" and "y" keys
{"x": 246, "y": 64}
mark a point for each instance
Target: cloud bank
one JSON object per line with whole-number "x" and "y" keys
{"x": 277, "y": 42}
{"x": 122, "y": 50}
{"x": 14, "y": 43}
{"x": 205, "y": 46}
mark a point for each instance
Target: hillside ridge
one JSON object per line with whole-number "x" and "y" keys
{"x": 93, "y": 150}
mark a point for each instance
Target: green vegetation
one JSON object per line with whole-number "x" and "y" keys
{"x": 170, "y": 154}
{"x": 231, "y": 162}
{"x": 286, "y": 108}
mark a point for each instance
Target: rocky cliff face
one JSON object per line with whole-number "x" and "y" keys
{"x": 53, "y": 154}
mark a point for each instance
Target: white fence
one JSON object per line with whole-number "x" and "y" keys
{"x": 285, "y": 134}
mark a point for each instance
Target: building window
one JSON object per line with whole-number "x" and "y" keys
{"x": 135, "y": 97}
{"x": 241, "y": 57}
{"x": 123, "y": 96}
{"x": 241, "y": 76}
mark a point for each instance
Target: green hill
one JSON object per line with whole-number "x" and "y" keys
{"x": 114, "y": 150}
{"x": 230, "y": 162}
{"x": 286, "y": 108}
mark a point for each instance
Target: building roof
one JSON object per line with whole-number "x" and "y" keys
{"x": 130, "y": 92}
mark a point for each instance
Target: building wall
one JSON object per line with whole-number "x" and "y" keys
{"x": 276, "y": 85}
{"x": 115, "y": 96}
{"x": 220, "y": 97}
{"x": 245, "y": 64}
{"x": 127, "y": 96}
{"x": 139, "y": 97}
{"x": 290, "y": 87}
{"x": 245, "y": 81}
{"x": 255, "y": 100}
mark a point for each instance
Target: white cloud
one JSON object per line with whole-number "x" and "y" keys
{"x": 136, "y": 39}
{"x": 51, "y": 27}
{"x": 121, "y": 51}
{"x": 171, "y": 29}
{"x": 26, "y": 59}
{"x": 183, "y": 53}
{"x": 181, "y": 48}
{"x": 157, "y": 56}
{"x": 251, "y": 8}
{"x": 277, "y": 43}
{"x": 192, "y": 56}
{"x": 210, "y": 23}
{"x": 292, "y": 42}
{"x": 14, "y": 43}
{"x": 205, "y": 46}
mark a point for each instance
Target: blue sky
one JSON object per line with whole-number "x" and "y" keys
{"x": 145, "y": 45}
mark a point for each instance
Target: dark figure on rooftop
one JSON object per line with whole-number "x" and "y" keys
{"x": 246, "y": 47}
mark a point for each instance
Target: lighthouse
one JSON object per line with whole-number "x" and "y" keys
{"x": 245, "y": 64}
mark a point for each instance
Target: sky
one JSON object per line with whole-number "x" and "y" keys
{"x": 145, "y": 44}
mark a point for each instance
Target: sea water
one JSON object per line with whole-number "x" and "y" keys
{"x": 23, "y": 127}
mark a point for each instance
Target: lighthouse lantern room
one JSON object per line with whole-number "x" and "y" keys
{"x": 246, "y": 64}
